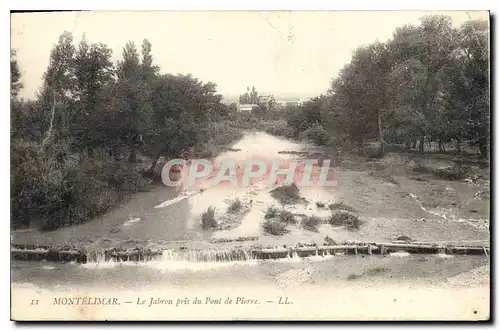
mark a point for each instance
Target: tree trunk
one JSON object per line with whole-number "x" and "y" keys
{"x": 413, "y": 143}
{"x": 53, "y": 110}
{"x": 155, "y": 161}
{"x": 440, "y": 146}
{"x": 484, "y": 147}
{"x": 421, "y": 145}
{"x": 381, "y": 134}
{"x": 488, "y": 147}
{"x": 133, "y": 156}
{"x": 408, "y": 145}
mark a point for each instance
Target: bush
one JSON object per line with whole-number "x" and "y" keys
{"x": 287, "y": 217}
{"x": 275, "y": 227}
{"x": 219, "y": 134}
{"x": 286, "y": 194}
{"x": 208, "y": 219}
{"x": 340, "y": 206}
{"x": 316, "y": 134}
{"x": 343, "y": 218}
{"x": 279, "y": 128}
{"x": 329, "y": 241}
{"x": 455, "y": 172}
{"x": 311, "y": 223}
{"x": 53, "y": 188}
{"x": 235, "y": 206}
{"x": 272, "y": 212}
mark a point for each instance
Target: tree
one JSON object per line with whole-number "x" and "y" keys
{"x": 133, "y": 96}
{"x": 149, "y": 71}
{"x": 469, "y": 87}
{"x": 420, "y": 55}
{"x": 429, "y": 81}
{"x": 94, "y": 75}
{"x": 182, "y": 107}
{"x": 15, "y": 76}
{"x": 246, "y": 97}
{"x": 254, "y": 97}
{"x": 58, "y": 89}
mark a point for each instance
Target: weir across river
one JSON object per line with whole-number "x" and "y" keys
{"x": 68, "y": 254}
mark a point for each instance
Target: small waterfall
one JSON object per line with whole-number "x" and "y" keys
{"x": 207, "y": 255}
{"x": 169, "y": 259}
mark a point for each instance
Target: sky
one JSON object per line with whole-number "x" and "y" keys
{"x": 279, "y": 52}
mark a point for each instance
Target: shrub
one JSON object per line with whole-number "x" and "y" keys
{"x": 279, "y": 128}
{"x": 235, "y": 206}
{"x": 311, "y": 223}
{"x": 330, "y": 241}
{"x": 455, "y": 172}
{"x": 343, "y": 218}
{"x": 340, "y": 206}
{"x": 353, "y": 276}
{"x": 275, "y": 227}
{"x": 208, "y": 220}
{"x": 286, "y": 194}
{"x": 404, "y": 238}
{"x": 287, "y": 217}
{"x": 316, "y": 134}
{"x": 222, "y": 133}
{"x": 52, "y": 188}
{"x": 320, "y": 204}
{"x": 272, "y": 212}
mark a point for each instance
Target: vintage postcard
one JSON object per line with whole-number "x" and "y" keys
{"x": 250, "y": 165}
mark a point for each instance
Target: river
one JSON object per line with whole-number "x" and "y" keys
{"x": 165, "y": 217}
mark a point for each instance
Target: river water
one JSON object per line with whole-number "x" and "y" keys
{"x": 165, "y": 217}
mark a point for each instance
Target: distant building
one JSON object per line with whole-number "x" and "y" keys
{"x": 280, "y": 104}
{"x": 264, "y": 99}
{"x": 294, "y": 103}
{"x": 246, "y": 107}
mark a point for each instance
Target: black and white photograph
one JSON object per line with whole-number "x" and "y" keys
{"x": 250, "y": 165}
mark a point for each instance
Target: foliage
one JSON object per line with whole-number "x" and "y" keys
{"x": 345, "y": 218}
{"x": 316, "y": 134}
{"x": 74, "y": 148}
{"x": 235, "y": 206}
{"x": 272, "y": 212}
{"x": 311, "y": 223}
{"x": 208, "y": 220}
{"x": 275, "y": 227}
{"x": 279, "y": 128}
{"x": 286, "y": 194}
{"x": 428, "y": 83}
{"x": 287, "y": 217}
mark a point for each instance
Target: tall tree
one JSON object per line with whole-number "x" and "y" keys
{"x": 15, "y": 76}
{"x": 58, "y": 88}
{"x": 94, "y": 75}
{"x": 133, "y": 112}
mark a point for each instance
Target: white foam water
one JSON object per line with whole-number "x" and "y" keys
{"x": 444, "y": 256}
{"x": 174, "y": 200}
{"x": 399, "y": 254}
{"x": 132, "y": 221}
